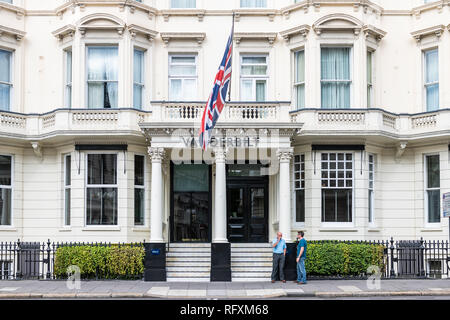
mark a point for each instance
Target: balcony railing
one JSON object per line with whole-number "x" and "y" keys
{"x": 352, "y": 120}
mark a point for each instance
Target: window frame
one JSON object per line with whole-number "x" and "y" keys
{"x": 425, "y": 84}
{"x": 96, "y": 45}
{"x": 183, "y": 78}
{"x": 11, "y": 74}
{"x": 10, "y": 187}
{"x": 296, "y": 84}
{"x": 67, "y": 84}
{"x": 337, "y": 224}
{"x": 65, "y": 188}
{"x": 252, "y": 7}
{"x": 371, "y": 188}
{"x": 350, "y": 46}
{"x": 175, "y": 7}
{"x": 141, "y": 85}
{"x": 370, "y": 100}
{"x": 93, "y": 186}
{"x": 254, "y": 78}
{"x": 426, "y": 189}
{"x": 142, "y": 187}
{"x": 302, "y": 187}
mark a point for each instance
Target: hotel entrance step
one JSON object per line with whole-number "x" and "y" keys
{"x": 188, "y": 262}
{"x": 251, "y": 262}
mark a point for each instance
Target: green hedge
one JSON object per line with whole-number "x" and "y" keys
{"x": 342, "y": 259}
{"x": 102, "y": 262}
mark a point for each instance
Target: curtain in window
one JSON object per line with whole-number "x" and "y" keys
{"x": 253, "y": 3}
{"x": 5, "y": 207}
{"x": 300, "y": 78}
{"x": 102, "y": 68}
{"x": 138, "y": 67}
{"x": 5, "y": 76}
{"x": 247, "y": 90}
{"x": 335, "y": 75}
{"x": 183, "y": 3}
{"x": 260, "y": 90}
{"x": 432, "y": 79}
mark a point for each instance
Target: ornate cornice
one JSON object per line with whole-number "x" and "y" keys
{"x": 371, "y": 31}
{"x": 135, "y": 30}
{"x": 303, "y": 30}
{"x": 435, "y": 30}
{"x": 200, "y": 13}
{"x": 18, "y": 34}
{"x": 268, "y": 36}
{"x": 156, "y": 154}
{"x": 196, "y": 36}
{"x": 64, "y": 31}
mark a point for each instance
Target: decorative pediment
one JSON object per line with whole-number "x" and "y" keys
{"x": 195, "y": 36}
{"x": 338, "y": 22}
{"x": 435, "y": 30}
{"x": 68, "y": 30}
{"x": 270, "y": 37}
{"x": 371, "y": 31}
{"x": 254, "y": 12}
{"x": 302, "y": 30}
{"x": 183, "y": 12}
{"x": 18, "y": 34}
{"x": 101, "y": 21}
{"x": 135, "y": 30}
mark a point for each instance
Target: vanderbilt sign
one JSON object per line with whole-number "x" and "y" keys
{"x": 224, "y": 142}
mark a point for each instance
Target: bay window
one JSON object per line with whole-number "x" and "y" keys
{"x": 254, "y": 78}
{"x": 68, "y": 79}
{"x": 432, "y": 189}
{"x": 253, "y": 3}
{"x": 299, "y": 187}
{"x": 139, "y": 190}
{"x": 337, "y": 187}
{"x": 182, "y": 77}
{"x": 299, "y": 81}
{"x": 431, "y": 84}
{"x": 335, "y": 77}
{"x": 102, "y": 79}
{"x": 101, "y": 190}
{"x": 138, "y": 78}
{"x": 182, "y": 4}
{"x": 5, "y": 190}
{"x": 5, "y": 80}
{"x": 67, "y": 188}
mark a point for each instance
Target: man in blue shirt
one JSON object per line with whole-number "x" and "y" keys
{"x": 301, "y": 257}
{"x": 279, "y": 255}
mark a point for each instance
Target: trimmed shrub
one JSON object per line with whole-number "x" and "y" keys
{"x": 325, "y": 258}
{"x": 102, "y": 262}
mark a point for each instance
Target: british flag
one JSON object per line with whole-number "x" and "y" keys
{"x": 216, "y": 100}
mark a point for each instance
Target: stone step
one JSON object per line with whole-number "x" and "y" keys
{"x": 189, "y": 245}
{"x": 249, "y": 274}
{"x": 193, "y": 270}
{"x": 188, "y": 274}
{"x": 181, "y": 279}
{"x": 266, "y": 279}
{"x": 251, "y": 269}
{"x": 239, "y": 249}
{"x": 189, "y": 254}
{"x": 250, "y": 254}
{"x": 188, "y": 263}
{"x": 188, "y": 259}
{"x": 251, "y": 264}
{"x": 186, "y": 250}
{"x": 251, "y": 245}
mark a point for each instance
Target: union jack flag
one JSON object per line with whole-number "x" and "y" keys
{"x": 216, "y": 100}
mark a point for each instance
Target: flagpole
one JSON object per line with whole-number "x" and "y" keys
{"x": 232, "y": 47}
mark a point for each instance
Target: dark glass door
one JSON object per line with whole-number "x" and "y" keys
{"x": 247, "y": 212}
{"x": 190, "y": 218}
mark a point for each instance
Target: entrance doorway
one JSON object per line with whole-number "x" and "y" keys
{"x": 190, "y": 216}
{"x": 247, "y": 204}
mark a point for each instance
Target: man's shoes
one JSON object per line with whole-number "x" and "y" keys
{"x": 302, "y": 283}
{"x": 273, "y": 281}
{"x": 284, "y": 281}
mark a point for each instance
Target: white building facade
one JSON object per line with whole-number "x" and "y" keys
{"x": 100, "y": 101}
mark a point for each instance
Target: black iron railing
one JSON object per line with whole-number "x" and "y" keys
{"x": 402, "y": 259}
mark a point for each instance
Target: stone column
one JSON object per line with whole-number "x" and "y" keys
{"x": 284, "y": 156}
{"x": 220, "y": 204}
{"x": 156, "y": 213}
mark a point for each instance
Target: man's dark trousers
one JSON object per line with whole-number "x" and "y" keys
{"x": 278, "y": 266}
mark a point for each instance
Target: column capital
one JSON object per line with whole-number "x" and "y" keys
{"x": 156, "y": 154}
{"x": 285, "y": 154}
{"x": 220, "y": 154}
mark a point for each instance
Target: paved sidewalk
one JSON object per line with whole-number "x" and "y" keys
{"x": 26, "y": 289}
